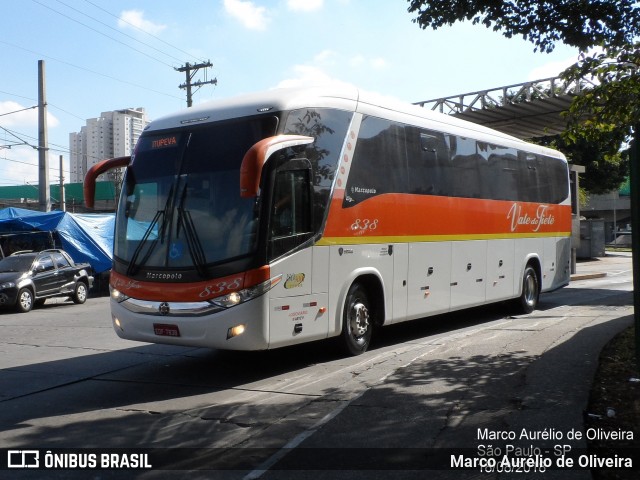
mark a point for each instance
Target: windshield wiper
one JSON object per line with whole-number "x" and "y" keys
{"x": 193, "y": 241}
{"x": 133, "y": 268}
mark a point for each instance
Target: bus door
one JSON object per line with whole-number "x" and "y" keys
{"x": 296, "y": 314}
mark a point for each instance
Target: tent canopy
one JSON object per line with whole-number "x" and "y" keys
{"x": 86, "y": 237}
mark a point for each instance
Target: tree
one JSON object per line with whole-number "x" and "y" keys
{"x": 580, "y": 23}
{"x": 612, "y": 106}
{"x": 605, "y": 32}
{"x": 607, "y": 167}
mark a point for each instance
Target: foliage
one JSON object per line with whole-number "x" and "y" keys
{"x": 611, "y": 106}
{"x": 606, "y": 166}
{"x": 602, "y": 118}
{"x": 579, "y": 23}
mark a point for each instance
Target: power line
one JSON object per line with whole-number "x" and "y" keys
{"x": 141, "y": 30}
{"x": 10, "y": 144}
{"x": 19, "y": 161}
{"x": 19, "y": 96}
{"x": 22, "y": 140}
{"x": 18, "y": 111}
{"x": 65, "y": 111}
{"x": 90, "y": 71}
{"x": 119, "y": 31}
{"x": 49, "y": 104}
{"x": 101, "y": 33}
{"x": 35, "y": 165}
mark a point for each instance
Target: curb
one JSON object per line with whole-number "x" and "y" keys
{"x": 587, "y": 276}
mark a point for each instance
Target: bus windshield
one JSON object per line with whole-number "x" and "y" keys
{"x": 181, "y": 206}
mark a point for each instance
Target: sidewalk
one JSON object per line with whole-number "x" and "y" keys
{"x": 611, "y": 263}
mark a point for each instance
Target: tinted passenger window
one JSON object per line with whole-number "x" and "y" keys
{"x": 396, "y": 158}
{"x": 470, "y": 168}
{"x": 428, "y": 162}
{"x": 291, "y": 204}
{"x": 291, "y": 217}
{"x": 556, "y": 173}
{"x": 502, "y": 171}
{"x": 329, "y": 128}
{"x": 379, "y": 161}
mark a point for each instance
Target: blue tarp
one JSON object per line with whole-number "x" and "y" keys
{"x": 86, "y": 237}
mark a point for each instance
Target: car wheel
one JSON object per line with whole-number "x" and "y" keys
{"x": 25, "y": 300}
{"x": 80, "y": 293}
{"x": 357, "y": 321}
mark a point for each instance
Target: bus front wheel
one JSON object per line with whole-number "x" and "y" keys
{"x": 528, "y": 300}
{"x": 357, "y": 321}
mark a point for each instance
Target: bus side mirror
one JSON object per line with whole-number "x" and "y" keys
{"x": 258, "y": 155}
{"x": 89, "y": 188}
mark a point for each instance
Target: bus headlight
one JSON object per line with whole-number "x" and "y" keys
{"x": 235, "y": 298}
{"x": 235, "y": 331}
{"x": 117, "y": 295}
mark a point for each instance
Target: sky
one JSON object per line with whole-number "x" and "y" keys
{"x": 103, "y": 55}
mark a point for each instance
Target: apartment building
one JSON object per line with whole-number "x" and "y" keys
{"x": 112, "y": 134}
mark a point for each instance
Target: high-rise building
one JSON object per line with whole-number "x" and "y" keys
{"x": 113, "y": 134}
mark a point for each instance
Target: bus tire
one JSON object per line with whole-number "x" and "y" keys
{"x": 528, "y": 300}
{"x": 357, "y": 321}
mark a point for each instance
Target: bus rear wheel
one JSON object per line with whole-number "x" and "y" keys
{"x": 357, "y": 321}
{"x": 528, "y": 300}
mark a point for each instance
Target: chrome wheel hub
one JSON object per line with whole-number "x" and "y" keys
{"x": 530, "y": 289}
{"x": 359, "y": 320}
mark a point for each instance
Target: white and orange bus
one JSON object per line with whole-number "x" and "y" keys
{"x": 297, "y": 215}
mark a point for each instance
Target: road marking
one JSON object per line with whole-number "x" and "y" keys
{"x": 298, "y": 439}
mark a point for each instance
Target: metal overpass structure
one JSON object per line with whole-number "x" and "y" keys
{"x": 525, "y": 110}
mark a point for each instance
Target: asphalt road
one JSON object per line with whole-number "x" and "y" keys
{"x": 68, "y": 382}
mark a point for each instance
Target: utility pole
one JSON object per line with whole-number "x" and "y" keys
{"x": 63, "y": 207}
{"x": 634, "y": 179}
{"x": 43, "y": 143}
{"x": 190, "y": 71}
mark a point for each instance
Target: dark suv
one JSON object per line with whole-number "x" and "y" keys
{"x": 29, "y": 278}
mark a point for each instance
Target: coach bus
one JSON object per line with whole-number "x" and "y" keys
{"x": 297, "y": 215}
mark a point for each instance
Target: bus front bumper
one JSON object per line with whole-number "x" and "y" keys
{"x": 242, "y": 327}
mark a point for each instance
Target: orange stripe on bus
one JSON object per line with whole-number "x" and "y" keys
{"x": 188, "y": 292}
{"x": 401, "y": 215}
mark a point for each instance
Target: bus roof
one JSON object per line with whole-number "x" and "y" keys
{"x": 275, "y": 100}
{"x": 345, "y": 98}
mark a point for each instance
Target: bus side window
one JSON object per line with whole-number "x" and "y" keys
{"x": 470, "y": 169}
{"x": 502, "y": 164}
{"x": 291, "y": 211}
{"x": 428, "y": 163}
{"x": 530, "y": 176}
{"x": 379, "y": 162}
{"x": 557, "y": 171}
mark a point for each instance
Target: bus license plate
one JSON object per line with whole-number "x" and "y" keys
{"x": 166, "y": 330}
